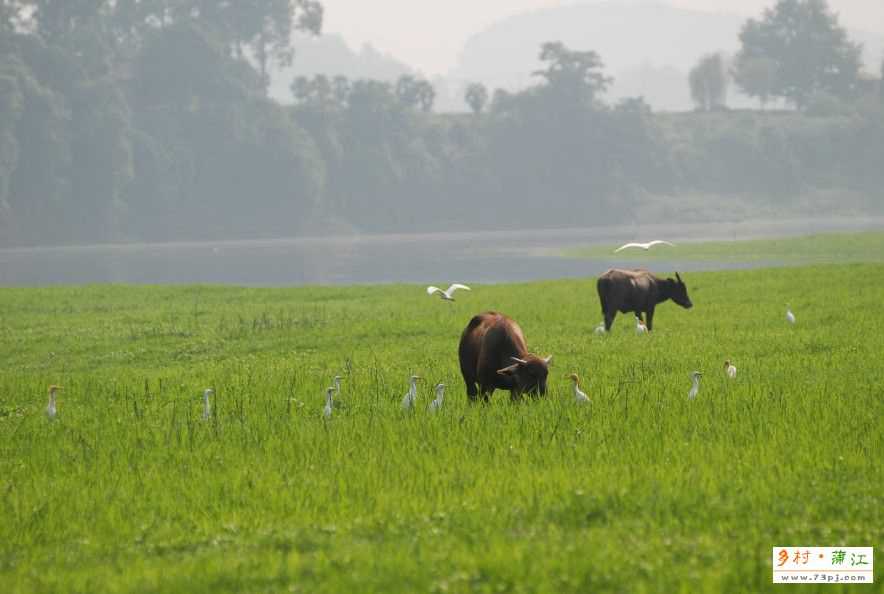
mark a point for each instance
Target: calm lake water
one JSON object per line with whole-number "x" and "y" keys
{"x": 480, "y": 257}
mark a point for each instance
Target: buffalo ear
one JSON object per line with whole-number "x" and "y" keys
{"x": 678, "y": 278}
{"x": 508, "y": 370}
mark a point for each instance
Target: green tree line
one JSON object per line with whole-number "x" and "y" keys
{"x": 148, "y": 120}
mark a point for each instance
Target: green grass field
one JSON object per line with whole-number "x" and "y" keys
{"x": 641, "y": 491}
{"x": 809, "y": 249}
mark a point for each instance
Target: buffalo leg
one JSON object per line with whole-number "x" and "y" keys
{"x": 472, "y": 391}
{"x": 650, "y": 319}
{"x": 609, "y": 320}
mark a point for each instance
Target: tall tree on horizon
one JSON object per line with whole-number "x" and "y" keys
{"x": 809, "y": 50}
{"x": 413, "y": 92}
{"x": 578, "y": 74}
{"x": 476, "y": 96}
{"x": 708, "y": 81}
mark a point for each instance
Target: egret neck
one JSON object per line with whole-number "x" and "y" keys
{"x": 436, "y": 404}
{"x": 408, "y": 399}
{"x": 329, "y": 399}
{"x": 695, "y": 387}
{"x": 207, "y": 408}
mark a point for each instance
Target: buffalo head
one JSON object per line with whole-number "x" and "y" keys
{"x": 680, "y": 292}
{"x": 528, "y": 374}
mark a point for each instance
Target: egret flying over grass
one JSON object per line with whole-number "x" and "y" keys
{"x": 52, "y": 407}
{"x": 436, "y": 404}
{"x": 640, "y": 327}
{"x": 329, "y": 396}
{"x": 600, "y": 329}
{"x": 579, "y": 396}
{"x": 789, "y": 315}
{"x": 729, "y": 369}
{"x": 207, "y": 408}
{"x": 446, "y": 295}
{"x": 644, "y": 246}
{"x": 411, "y": 395}
{"x": 695, "y": 377}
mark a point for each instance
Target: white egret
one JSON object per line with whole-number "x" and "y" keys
{"x": 329, "y": 396}
{"x": 207, "y": 409}
{"x": 600, "y": 329}
{"x": 729, "y": 369}
{"x": 411, "y": 395}
{"x": 640, "y": 327}
{"x": 52, "y": 407}
{"x": 446, "y": 295}
{"x": 336, "y": 380}
{"x": 579, "y": 396}
{"x": 644, "y": 246}
{"x": 695, "y": 377}
{"x": 789, "y": 315}
{"x": 436, "y": 404}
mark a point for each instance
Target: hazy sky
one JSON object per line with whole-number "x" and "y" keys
{"x": 429, "y": 34}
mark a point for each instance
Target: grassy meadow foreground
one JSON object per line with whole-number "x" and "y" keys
{"x": 641, "y": 491}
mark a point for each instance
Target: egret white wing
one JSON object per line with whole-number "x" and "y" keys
{"x": 627, "y": 246}
{"x": 434, "y": 290}
{"x": 455, "y": 286}
{"x": 660, "y": 242}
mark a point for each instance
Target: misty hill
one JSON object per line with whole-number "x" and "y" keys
{"x": 330, "y": 55}
{"x": 648, "y": 47}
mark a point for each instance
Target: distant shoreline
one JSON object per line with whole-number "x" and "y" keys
{"x": 692, "y": 231}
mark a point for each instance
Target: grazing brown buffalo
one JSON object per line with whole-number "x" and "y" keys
{"x": 638, "y": 291}
{"x": 493, "y": 354}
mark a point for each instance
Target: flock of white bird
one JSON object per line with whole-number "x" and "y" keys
{"x": 410, "y": 398}
{"x": 408, "y": 401}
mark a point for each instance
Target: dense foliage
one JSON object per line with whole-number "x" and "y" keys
{"x": 148, "y": 120}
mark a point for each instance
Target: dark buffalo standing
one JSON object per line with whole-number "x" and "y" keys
{"x": 638, "y": 291}
{"x": 493, "y": 354}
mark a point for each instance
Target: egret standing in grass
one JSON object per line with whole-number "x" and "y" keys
{"x": 695, "y": 377}
{"x": 52, "y": 407}
{"x": 411, "y": 395}
{"x": 640, "y": 327}
{"x": 729, "y": 369}
{"x": 436, "y": 404}
{"x": 600, "y": 329}
{"x": 447, "y": 294}
{"x": 207, "y": 409}
{"x": 579, "y": 396}
{"x": 790, "y": 317}
{"x": 329, "y": 398}
{"x": 336, "y": 381}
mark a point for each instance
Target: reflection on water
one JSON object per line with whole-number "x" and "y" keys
{"x": 489, "y": 257}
